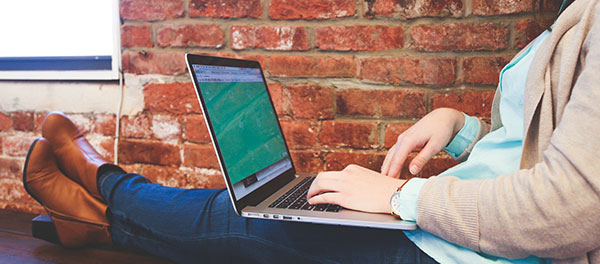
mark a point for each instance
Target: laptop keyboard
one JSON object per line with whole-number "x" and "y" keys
{"x": 295, "y": 199}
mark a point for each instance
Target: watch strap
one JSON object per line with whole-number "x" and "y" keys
{"x": 398, "y": 190}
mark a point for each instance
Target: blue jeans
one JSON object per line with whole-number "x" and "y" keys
{"x": 200, "y": 225}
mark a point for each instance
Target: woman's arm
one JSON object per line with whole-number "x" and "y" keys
{"x": 550, "y": 210}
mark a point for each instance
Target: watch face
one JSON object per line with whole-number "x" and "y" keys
{"x": 396, "y": 202}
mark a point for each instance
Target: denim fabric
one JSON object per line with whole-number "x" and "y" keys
{"x": 200, "y": 225}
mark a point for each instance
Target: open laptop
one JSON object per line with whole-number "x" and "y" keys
{"x": 252, "y": 152}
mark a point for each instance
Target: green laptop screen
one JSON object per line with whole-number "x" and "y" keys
{"x": 242, "y": 117}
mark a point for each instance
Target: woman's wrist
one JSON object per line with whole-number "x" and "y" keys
{"x": 458, "y": 123}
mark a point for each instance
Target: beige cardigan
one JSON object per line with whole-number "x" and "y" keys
{"x": 551, "y": 207}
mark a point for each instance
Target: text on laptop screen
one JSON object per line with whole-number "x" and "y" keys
{"x": 245, "y": 125}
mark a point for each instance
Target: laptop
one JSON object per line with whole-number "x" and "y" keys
{"x": 252, "y": 152}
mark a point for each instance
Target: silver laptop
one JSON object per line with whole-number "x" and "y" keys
{"x": 252, "y": 152}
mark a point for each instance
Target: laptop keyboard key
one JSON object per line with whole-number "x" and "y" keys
{"x": 320, "y": 207}
{"x": 333, "y": 208}
{"x": 295, "y": 199}
{"x": 308, "y": 207}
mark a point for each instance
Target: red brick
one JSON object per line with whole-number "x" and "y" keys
{"x": 269, "y": 37}
{"x": 339, "y": 160}
{"x": 348, "y": 134}
{"x": 311, "y": 9}
{"x": 5, "y": 123}
{"x": 39, "y": 119}
{"x": 360, "y": 38}
{"x": 11, "y": 167}
{"x": 403, "y": 103}
{"x": 552, "y": 6}
{"x": 299, "y": 134}
{"x": 12, "y": 190}
{"x": 160, "y": 62}
{"x": 151, "y": 10}
{"x": 304, "y": 66}
{"x": 392, "y": 131}
{"x": 280, "y": 101}
{"x": 432, "y": 71}
{"x": 502, "y": 7}
{"x": 105, "y": 146}
{"x": 150, "y": 152}
{"x": 463, "y": 37}
{"x": 175, "y": 98}
{"x": 526, "y": 31}
{"x": 195, "y": 129}
{"x": 202, "y": 156}
{"x": 17, "y": 145}
{"x": 33, "y": 208}
{"x": 412, "y": 9}
{"x": 167, "y": 176}
{"x": 437, "y": 165}
{"x": 135, "y": 126}
{"x": 82, "y": 121}
{"x": 165, "y": 127}
{"x": 311, "y": 101}
{"x": 23, "y": 121}
{"x": 105, "y": 124}
{"x": 136, "y": 36}
{"x": 225, "y": 8}
{"x": 307, "y": 161}
{"x": 208, "y": 179}
{"x": 196, "y": 35}
{"x": 471, "y": 102}
{"x": 131, "y": 168}
{"x": 483, "y": 70}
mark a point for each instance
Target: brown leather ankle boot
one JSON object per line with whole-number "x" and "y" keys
{"x": 78, "y": 218}
{"x": 76, "y": 157}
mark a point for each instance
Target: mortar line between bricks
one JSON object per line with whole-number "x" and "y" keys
{"x": 313, "y": 52}
{"x": 360, "y": 84}
{"x": 379, "y": 20}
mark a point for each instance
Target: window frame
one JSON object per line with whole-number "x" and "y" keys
{"x": 87, "y": 67}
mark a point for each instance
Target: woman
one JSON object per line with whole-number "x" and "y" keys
{"x": 526, "y": 191}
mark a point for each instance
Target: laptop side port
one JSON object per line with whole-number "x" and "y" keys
{"x": 287, "y": 218}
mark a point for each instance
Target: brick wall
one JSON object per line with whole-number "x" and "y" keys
{"x": 346, "y": 76}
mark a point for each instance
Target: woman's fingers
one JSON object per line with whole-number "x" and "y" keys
{"x": 327, "y": 198}
{"x": 402, "y": 151}
{"x": 423, "y": 157}
{"x": 385, "y": 167}
{"x": 324, "y": 182}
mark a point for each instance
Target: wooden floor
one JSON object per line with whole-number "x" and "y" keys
{"x": 18, "y": 246}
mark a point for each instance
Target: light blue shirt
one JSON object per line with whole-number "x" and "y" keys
{"x": 497, "y": 153}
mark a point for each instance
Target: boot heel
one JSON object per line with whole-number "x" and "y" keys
{"x": 43, "y": 228}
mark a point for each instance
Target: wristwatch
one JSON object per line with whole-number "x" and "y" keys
{"x": 395, "y": 201}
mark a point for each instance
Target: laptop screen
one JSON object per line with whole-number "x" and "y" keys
{"x": 245, "y": 125}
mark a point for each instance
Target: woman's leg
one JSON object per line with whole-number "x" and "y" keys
{"x": 200, "y": 225}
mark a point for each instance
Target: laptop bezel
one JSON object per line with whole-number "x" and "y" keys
{"x": 260, "y": 194}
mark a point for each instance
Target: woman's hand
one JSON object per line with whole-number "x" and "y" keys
{"x": 354, "y": 188}
{"x": 432, "y": 133}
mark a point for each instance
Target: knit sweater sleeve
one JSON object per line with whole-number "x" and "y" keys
{"x": 548, "y": 210}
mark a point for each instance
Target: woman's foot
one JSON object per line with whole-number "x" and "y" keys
{"x": 79, "y": 218}
{"x": 75, "y": 156}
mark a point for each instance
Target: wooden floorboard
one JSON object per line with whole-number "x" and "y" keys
{"x": 18, "y": 246}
